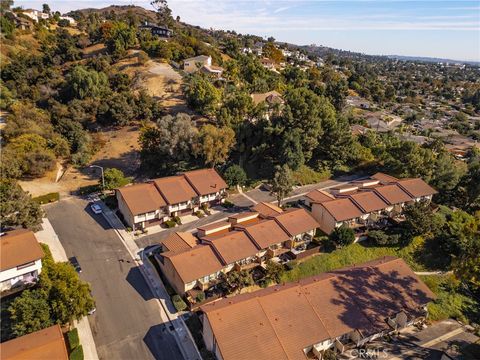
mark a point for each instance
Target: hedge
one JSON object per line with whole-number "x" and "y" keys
{"x": 77, "y": 353}
{"x": 48, "y": 198}
{"x": 170, "y": 223}
{"x": 73, "y": 339}
{"x": 178, "y": 303}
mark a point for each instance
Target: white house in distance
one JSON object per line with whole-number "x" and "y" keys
{"x": 36, "y": 14}
{"x": 202, "y": 63}
{"x": 21, "y": 259}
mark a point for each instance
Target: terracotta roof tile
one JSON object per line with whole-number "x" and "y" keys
{"x": 233, "y": 246}
{"x": 179, "y": 241}
{"x": 266, "y": 233}
{"x": 19, "y": 247}
{"x": 319, "y": 196}
{"x": 384, "y": 178}
{"x": 296, "y": 221}
{"x": 368, "y": 201}
{"x": 392, "y": 194}
{"x": 342, "y": 209}
{"x": 205, "y": 181}
{"x": 142, "y": 198}
{"x": 266, "y": 209}
{"x": 194, "y": 263}
{"x": 280, "y": 321}
{"x": 175, "y": 189}
{"x": 416, "y": 187}
{"x": 45, "y": 344}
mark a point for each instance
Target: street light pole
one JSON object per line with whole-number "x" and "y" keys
{"x": 103, "y": 178}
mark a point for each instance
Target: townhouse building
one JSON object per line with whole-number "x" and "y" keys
{"x": 243, "y": 241}
{"x": 337, "y": 310}
{"x": 152, "y": 203}
{"x": 21, "y": 260}
{"x": 366, "y": 203}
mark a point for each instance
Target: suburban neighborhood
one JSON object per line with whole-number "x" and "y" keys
{"x": 189, "y": 181}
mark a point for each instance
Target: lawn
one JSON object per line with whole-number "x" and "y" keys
{"x": 355, "y": 254}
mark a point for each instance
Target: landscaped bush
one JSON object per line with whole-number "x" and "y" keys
{"x": 170, "y": 223}
{"x": 177, "y": 220}
{"x": 48, "y": 198}
{"x": 199, "y": 213}
{"x": 342, "y": 236}
{"x": 200, "y": 297}
{"x": 228, "y": 204}
{"x": 178, "y": 302}
{"x": 73, "y": 339}
{"x": 77, "y": 353}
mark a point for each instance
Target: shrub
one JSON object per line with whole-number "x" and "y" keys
{"x": 177, "y": 220}
{"x": 235, "y": 175}
{"x": 73, "y": 339}
{"x": 77, "y": 353}
{"x": 199, "y": 214}
{"x": 342, "y": 236}
{"x": 200, "y": 297}
{"x": 329, "y": 355}
{"x": 47, "y": 198}
{"x": 114, "y": 178}
{"x": 378, "y": 237}
{"x": 305, "y": 175}
{"x": 228, "y": 204}
{"x": 178, "y": 302}
{"x": 170, "y": 223}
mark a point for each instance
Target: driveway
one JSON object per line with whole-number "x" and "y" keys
{"x": 127, "y": 324}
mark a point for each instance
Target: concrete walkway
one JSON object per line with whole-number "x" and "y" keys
{"x": 48, "y": 236}
{"x": 181, "y": 333}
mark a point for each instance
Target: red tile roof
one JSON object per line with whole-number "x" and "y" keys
{"x": 233, "y": 246}
{"x": 384, "y": 178}
{"x": 342, "y": 209}
{"x": 175, "y": 189}
{"x": 368, "y": 201}
{"x": 266, "y": 233}
{"x": 142, "y": 198}
{"x": 296, "y": 221}
{"x": 416, "y": 187}
{"x": 319, "y": 196}
{"x": 46, "y": 344}
{"x": 280, "y": 321}
{"x": 179, "y": 241}
{"x": 392, "y": 194}
{"x": 205, "y": 181}
{"x": 266, "y": 209}
{"x": 19, "y": 247}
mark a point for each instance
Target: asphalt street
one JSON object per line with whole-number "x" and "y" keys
{"x": 127, "y": 324}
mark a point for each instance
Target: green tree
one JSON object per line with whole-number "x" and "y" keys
{"x": 30, "y": 312}
{"x": 342, "y": 236}
{"x": 170, "y": 146}
{"x": 84, "y": 83}
{"x": 215, "y": 144}
{"x": 120, "y": 38}
{"x": 236, "y": 108}
{"x": 290, "y": 150}
{"x": 201, "y": 94}
{"x": 235, "y": 175}
{"x": 420, "y": 220}
{"x": 17, "y": 207}
{"x": 114, "y": 178}
{"x": 274, "y": 271}
{"x": 46, "y": 9}
{"x": 282, "y": 183}
{"x": 448, "y": 172}
{"x": 466, "y": 267}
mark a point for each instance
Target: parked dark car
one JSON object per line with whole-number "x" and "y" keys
{"x": 73, "y": 260}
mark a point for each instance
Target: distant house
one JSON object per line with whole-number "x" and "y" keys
{"x": 157, "y": 30}
{"x": 267, "y": 63}
{"x": 21, "y": 260}
{"x": 44, "y": 344}
{"x": 242, "y": 241}
{"x": 258, "y": 48}
{"x": 35, "y": 14}
{"x": 203, "y": 64}
{"x": 366, "y": 203}
{"x": 271, "y": 98}
{"x": 151, "y": 203}
{"x": 344, "y": 308}
{"x": 70, "y": 19}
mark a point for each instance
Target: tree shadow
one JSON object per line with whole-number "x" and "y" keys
{"x": 137, "y": 281}
{"x": 368, "y": 296}
{"x": 161, "y": 343}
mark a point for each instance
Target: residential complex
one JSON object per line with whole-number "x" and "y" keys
{"x": 45, "y": 344}
{"x": 243, "y": 241}
{"x": 21, "y": 259}
{"x": 151, "y": 203}
{"x": 366, "y": 203}
{"x": 341, "y": 309}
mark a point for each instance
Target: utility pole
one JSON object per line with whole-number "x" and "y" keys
{"x": 103, "y": 178}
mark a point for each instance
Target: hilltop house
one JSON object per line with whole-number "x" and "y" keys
{"x": 365, "y": 203}
{"x": 21, "y": 260}
{"x": 35, "y": 14}
{"x": 341, "y": 309}
{"x": 243, "y": 241}
{"x": 151, "y": 203}
{"x": 161, "y": 31}
{"x": 48, "y": 343}
{"x": 203, "y": 64}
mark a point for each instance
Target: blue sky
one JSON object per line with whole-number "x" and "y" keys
{"x": 449, "y": 29}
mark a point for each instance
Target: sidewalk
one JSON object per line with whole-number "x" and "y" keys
{"x": 181, "y": 333}
{"x": 48, "y": 236}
